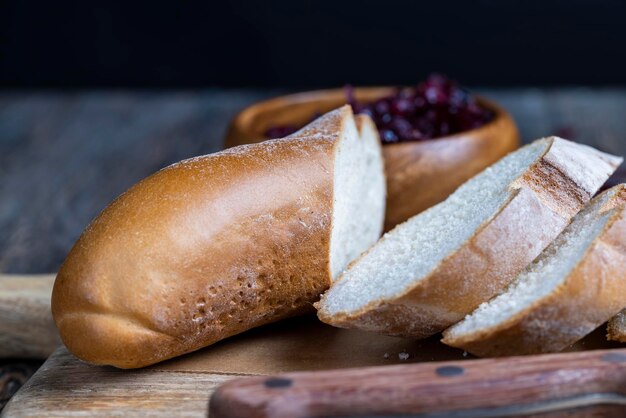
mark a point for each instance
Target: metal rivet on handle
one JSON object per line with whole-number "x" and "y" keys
{"x": 277, "y": 382}
{"x": 449, "y": 371}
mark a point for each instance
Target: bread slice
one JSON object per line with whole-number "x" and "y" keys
{"x": 431, "y": 271}
{"x": 617, "y": 327}
{"x": 215, "y": 245}
{"x": 572, "y": 288}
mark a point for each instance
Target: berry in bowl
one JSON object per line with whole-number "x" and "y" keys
{"x": 435, "y": 136}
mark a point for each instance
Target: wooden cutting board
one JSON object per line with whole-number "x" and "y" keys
{"x": 65, "y": 386}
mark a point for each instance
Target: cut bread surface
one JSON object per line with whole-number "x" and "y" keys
{"x": 359, "y": 193}
{"x": 432, "y": 270}
{"x": 573, "y": 287}
{"x": 417, "y": 246}
{"x": 359, "y": 190}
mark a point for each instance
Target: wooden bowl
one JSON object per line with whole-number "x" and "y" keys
{"x": 419, "y": 174}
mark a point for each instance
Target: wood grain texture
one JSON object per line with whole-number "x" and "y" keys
{"x": 26, "y": 326}
{"x": 66, "y": 387}
{"x": 26, "y": 329}
{"x": 65, "y": 156}
{"x": 13, "y": 374}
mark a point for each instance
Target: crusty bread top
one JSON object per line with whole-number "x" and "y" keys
{"x": 568, "y": 162}
{"x": 329, "y": 126}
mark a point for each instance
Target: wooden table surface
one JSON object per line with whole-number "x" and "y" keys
{"x": 64, "y": 156}
{"x": 67, "y": 387}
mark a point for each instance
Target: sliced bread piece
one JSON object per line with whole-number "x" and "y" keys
{"x": 573, "y": 287}
{"x": 431, "y": 271}
{"x": 617, "y": 327}
{"x": 218, "y": 244}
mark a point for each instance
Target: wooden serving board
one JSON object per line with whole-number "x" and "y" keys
{"x": 65, "y": 386}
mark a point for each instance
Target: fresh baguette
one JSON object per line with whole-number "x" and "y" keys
{"x": 431, "y": 271}
{"x": 215, "y": 245}
{"x": 572, "y": 288}
{"x": 617, "y": 327}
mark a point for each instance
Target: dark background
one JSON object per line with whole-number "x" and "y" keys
{"x": 296, "y": 44}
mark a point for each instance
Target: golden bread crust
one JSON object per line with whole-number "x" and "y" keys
{"x": 203, "y": 249}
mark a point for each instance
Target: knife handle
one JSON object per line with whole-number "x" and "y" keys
{"x": 513, "y": 386}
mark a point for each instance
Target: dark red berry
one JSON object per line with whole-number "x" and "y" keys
{"x": 436, "y": 107}
{"x": 280, "y": 131}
